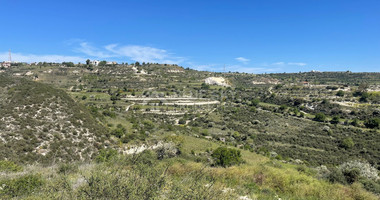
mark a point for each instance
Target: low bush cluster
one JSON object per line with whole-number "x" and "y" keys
{"x": 9, "y": 166}
{"x": 226, "y": 157}
{"x": 19, "y": 186}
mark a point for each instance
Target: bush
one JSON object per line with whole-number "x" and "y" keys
{"x": 336, "y": 176}
{"x": 109, "y": 114}
{"x": 351, "y": 175}
{"x": 364, "y": 97}
{"x": 182, "y": 121}
{"x": 371, "y": 186}
{"x": 119, "y": 131}
{"x": 167, "y": 150}
{"x": 226, "y": 157}
{"x": 20, "y": 186}
{"x": 320, "y": 117}
{"x": 67, "y": 168}
{"x": 348, "y": 143}
{"x": 106, "y": 155}
{"x": 373, "y": 123}
{"x": 335, "y": 120}
{"x": 340, "y": 93}
{"x": 364, "y": 168}
{"x": 355, "y": 122}
{"x": 9, "y": 166}
{"x": 255, "y": 102}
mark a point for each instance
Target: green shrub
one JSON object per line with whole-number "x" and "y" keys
{"x": 109, "y": 113}
{"x": 255, "y": 102}
{"x": 336, "y": 176}
{"x": 340, "y": 93}
{"x": 226, "y": 157}
{"x": 348, "y": 143}
{"x": 373, "y": 123}
{"x": 371, "y": 185}
{"x": 9, "y": 166}
{"x": 320, "y": 117}
{"x": 355, "y": 122}
{"x": 106, "y": 155}
{"x": 67, "y": 168}
{"x": 182, "y": 121}
{"x": 351, "y": 175}
{"x": 335, "y": 120}
{"x": 20, "y": 186}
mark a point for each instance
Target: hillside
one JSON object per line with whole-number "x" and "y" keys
{"x": 317, "y": 131}
{"x": 185, "y": 176}
{"x": 42, "y": 124}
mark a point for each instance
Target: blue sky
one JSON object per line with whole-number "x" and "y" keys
{"x": 247, "y": 36}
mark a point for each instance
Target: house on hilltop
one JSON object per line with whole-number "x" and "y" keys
{"x": 111, "y": 63}
{"x": 95, "y": 62}
{"x": 5, "y": 64}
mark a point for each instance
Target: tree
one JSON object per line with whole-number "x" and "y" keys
{"x": 348, "y": 143}
{"x": 340, "y": 93}
{"x": 335, "y": 120}
{"x": 102, "y": 63}
{"x": 182, "y": 121}
{"x": 298, "y": 101}
{"x": 137, "y": 63}
{"x": 372, "y": 123}
{"x": 88, "y": 62}
{"x": 364, "y": 97}
{"x": 68, "y": 64}
{"x": 320, "y": 117}
{"x": 355, "y": 122}
{"x": 226, "y": 157}
{"x": 255, "y": 102}
{"x": 283, "y": 107}
{"x": 204, "y": 86}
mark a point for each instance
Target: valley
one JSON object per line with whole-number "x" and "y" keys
{"x": 290, "y": 128}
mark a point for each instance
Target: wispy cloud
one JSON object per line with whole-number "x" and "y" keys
{"x": 297, "y": 63}
{"x": 242, "y": 60}
{"x": 92, "y": 51}
{"x": 21, "y": 57}
{"x": 144, "y": 53}
{"x": 239, "y": 68}
{"x": 132, "y": 52}
{"x": 202, "y": 67}
{"x": 290, "y": 63}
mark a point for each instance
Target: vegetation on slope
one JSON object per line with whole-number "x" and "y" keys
{"x": 325, "y": 121}
{"x": 144, "y": 176}
{"x": 42, "y": 124}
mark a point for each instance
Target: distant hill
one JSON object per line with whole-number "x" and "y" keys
{"x": 39, "y": 123}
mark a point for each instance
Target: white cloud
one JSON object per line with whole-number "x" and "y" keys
{"x": 238, "y": 68}
{"x": 93, "y": 51}
{"x": 132, "y": 52}
{"x": 242, "y": 60}
{"x": 290, "y": 63}
{"x": 297, "y": 63}
{"x": 20, "y": 57}
{"x": 200, "y": 67}
{"x": 144, "y": 54}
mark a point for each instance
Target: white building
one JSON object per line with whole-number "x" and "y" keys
{"x": 95, "y": 62}
{"x": 111, "y": 63}
{"x": 5, "y": 64}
